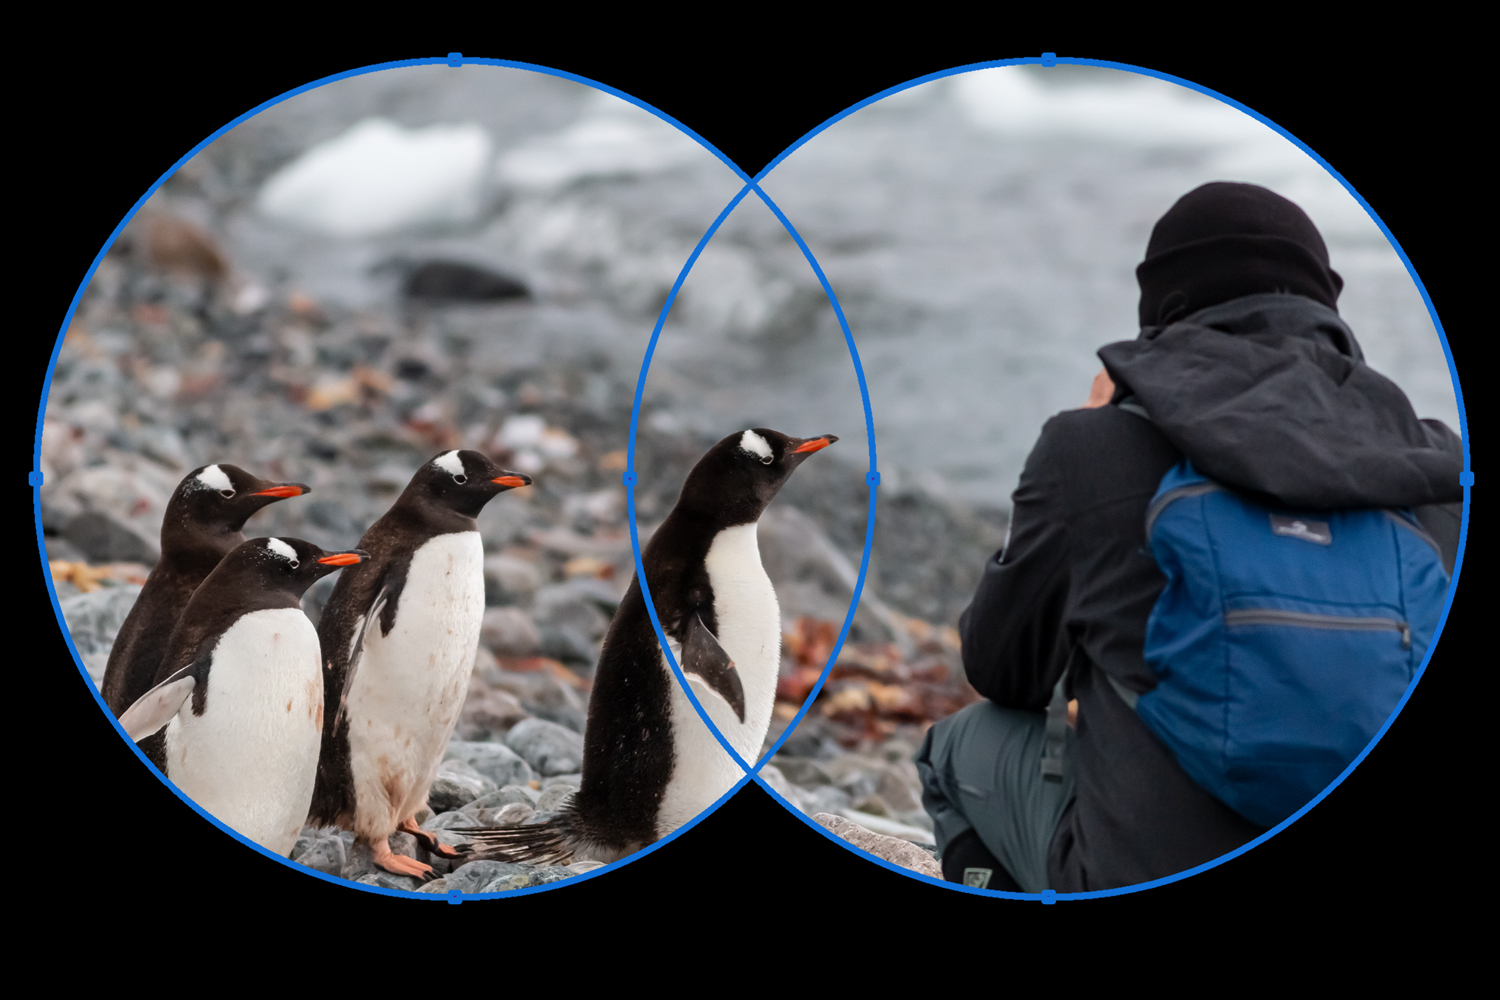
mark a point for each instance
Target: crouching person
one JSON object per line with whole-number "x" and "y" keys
{"x": 1220, "y": 576}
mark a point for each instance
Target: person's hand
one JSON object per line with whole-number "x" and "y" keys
{"x": 1102, "y": 392}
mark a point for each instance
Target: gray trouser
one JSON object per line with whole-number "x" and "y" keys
{"x": 981, "y": 770}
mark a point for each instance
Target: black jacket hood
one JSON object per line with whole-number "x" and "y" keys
{"x": 1270, "y": 393}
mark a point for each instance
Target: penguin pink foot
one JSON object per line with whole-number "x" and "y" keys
{"x": 430, "y": 842}
{"x": 399, "y": 864}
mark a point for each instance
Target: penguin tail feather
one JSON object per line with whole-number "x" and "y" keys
{"x": 549, "y": 843}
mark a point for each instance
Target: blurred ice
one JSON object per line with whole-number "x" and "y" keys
{"x": 1135, "y": 109}
{"x": 982, "y": 233}
{"x": 1142, "y": 110}
{"x": 613, "y": 139}
{"x": 380, "y": 178}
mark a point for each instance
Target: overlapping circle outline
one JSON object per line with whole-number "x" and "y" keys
{"x": 872, "y": 478}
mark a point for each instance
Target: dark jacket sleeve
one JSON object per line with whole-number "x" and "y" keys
{"x": 1014, "y": 649}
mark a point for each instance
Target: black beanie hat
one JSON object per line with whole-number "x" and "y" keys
{"x": 1223, "y": 241}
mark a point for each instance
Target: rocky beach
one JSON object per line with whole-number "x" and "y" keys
{"x": 282, "y": 304}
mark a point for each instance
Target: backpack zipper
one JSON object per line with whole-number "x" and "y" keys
{"x": 1417, "y": 530}
{"x": 1269, "y": 616}
{"x": 1198, "y": 489}
{"x": 1190, "y": 490}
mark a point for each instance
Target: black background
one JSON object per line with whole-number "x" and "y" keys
{"x": 101, "y": 124}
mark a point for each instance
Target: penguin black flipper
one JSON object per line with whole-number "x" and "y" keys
{"x": 215, "y": 724}
{"x": 156, "y": 707}
{"x": 352, "y": 667}
{"x": 342, "y": 631}
{"x": 702, "y": 655}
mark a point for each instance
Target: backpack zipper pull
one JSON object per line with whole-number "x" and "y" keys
{"x": 1405, "y": 636}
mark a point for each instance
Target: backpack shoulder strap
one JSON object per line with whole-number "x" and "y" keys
{"x": 1057, "y": 725}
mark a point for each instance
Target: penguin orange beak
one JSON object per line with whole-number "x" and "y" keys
{"x": 816, "y": 444}
{"x": 288, "y": 490}
{"x": 512, "y": 481}
{"x": 342, "y": 559}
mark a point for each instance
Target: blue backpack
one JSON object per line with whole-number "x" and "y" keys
{"x": 1283, "y": 640}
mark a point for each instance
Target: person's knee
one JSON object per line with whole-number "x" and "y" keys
{"x": 951, "y": 736}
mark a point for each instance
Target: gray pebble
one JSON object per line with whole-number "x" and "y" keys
{"x": 104, "y": 538}
{"x": 802, "y": 771}
{"x": 504, "y": 797}
{"x": 327, "y": 855}
{"x": 576, "y": 603}
{"x": 495, "y": 761}
{"x": 542, "y": 694}
{"x": 513, "y": 815}
{"x": 457, "y": 784}
{"x": 547, "y": 746}
{"x": 826, "y": 799}
{"x": 305, "y": 839}
{"x": 537, "y": 876}
{"x": 510, "y": 632}
{"x": 386, "y": 880}
{"x": 475, "y": 875}
{"x": 918, "y": 818}
{"x": 448, "y": 821}
{"x": 510, "y": 579}
{"x": 94, "y": 619}
{"x": 555, "y": 797}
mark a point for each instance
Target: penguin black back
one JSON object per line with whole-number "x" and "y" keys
{"x": 202, "y": 525}
{"x": 630, "y": 747}
{"x": 731, "y": 485}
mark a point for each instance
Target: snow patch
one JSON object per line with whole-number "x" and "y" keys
{"x": 379, "y": 178}
{"x": 615, "y": 139}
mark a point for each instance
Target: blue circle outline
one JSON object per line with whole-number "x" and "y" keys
{"x": 34, "y": 476}
{"x": 872, "y": 478}
{"x": 1048, "y": 896}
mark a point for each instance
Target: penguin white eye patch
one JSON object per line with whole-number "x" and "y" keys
{"x": 450, "y": 463}
{"x": 756, "y": 445}
{"x": 283, "y": 550}
{"x": 215, "y": 479}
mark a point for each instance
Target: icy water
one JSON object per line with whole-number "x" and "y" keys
{"x": 980, "y": 232}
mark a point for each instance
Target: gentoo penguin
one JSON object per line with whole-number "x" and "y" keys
{"x": 240, "y": 692}
{"x": 201, "y": 526}
{"x": 649, "y": 763}
{"x": 395, "y": 694}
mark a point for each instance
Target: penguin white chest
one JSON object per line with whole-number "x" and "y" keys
{"x": 748, "y": 622}
{"x": 251, "y": 758}
{"x": 409, "y": 685}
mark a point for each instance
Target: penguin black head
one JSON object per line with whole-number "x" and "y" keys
{"x": 741, "y": 474}
{"x": 285, "y": 565}
{"x": 462, "y": 481}
{"x": 219, "y": 499}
